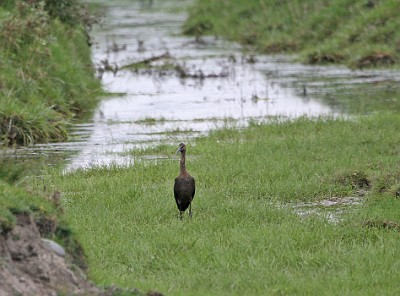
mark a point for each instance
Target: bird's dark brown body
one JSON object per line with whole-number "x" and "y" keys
{"x": 184, "y": 187}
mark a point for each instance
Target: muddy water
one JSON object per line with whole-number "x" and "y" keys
{"x": 188, "y": 88}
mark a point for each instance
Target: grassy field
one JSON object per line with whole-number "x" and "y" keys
{"x": 359, "y": 33}
{"x": 244, "y": 239}
{"x": 45, "y": 70}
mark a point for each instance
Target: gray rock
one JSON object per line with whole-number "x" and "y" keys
{"x": 56, "y": 248}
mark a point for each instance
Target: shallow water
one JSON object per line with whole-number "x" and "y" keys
{"x": 331, "y": 209}
{"x": 222, "y": 86}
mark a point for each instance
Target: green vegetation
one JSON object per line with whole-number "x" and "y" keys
{"x": 359, "y": 33}
{"x": 16, "y": 199}
{"x": 150, "y": 120}
{"x": 46, "y": 78}
{"x": 45, "y": 69}
{"x": 242, "y": 240}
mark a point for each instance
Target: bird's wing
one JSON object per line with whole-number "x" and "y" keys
{"x": 176, "y": 194}
{"x": 194, "y": 188}
{"x": 175, "y": 188}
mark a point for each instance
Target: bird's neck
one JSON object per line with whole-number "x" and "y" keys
{"x": 183, "y": 164}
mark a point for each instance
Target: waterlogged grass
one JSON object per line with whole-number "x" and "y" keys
{"x": 365, "y": 98}
{"x": 357, "y": 98}
{"x": 151, "y": 120}
{"x": 240, "y": 241}
{"x": 359, "y": 33}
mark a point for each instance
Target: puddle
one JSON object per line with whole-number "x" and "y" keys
{"x": 331, "y": 209}
{"x": 220, "y": 86}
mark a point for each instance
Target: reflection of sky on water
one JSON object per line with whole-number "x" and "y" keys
{"x": 195, "y": 105}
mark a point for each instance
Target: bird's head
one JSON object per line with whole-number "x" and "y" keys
{"x": 181, "y": 148}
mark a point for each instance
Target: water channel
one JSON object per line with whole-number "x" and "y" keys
{"x": 187, "y": 88}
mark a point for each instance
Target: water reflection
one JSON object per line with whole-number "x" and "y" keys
{"x": 185, "y": 87}
{"x": 178, "y": 107}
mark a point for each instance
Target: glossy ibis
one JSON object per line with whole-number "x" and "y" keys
{"x": 184, "y": 188}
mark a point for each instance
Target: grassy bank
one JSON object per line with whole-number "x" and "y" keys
{"x": 358, "y": 33}
{"x": 15, "y": 201}
{"x": 46, "y": 79}
{"x": 244, "y": 239}
{"x": 45, "y": 70}
{"x": 45, "y": 210}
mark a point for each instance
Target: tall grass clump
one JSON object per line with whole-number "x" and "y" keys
{"x": 358, "y": 33}
{"x": 46, "y": 76}
{"x": 244, "y": 237}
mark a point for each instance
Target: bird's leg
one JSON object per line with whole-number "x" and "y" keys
{"x": 190, "y": 210}
{"x": 180, "y": 215}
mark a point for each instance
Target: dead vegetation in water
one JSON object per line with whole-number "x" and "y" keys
{"x": 325, "y": 58}
{"x": 376, "y": 59}
{"x": 164, "y": 65}
{"x": 147, "y": 63}
{"x": 278, "y": 47}
{"x": 106, "y": 66}
{"x": 116, "y": 48}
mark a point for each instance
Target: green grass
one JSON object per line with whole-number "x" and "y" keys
{"x": 323, "y": 31}
{"x": 18, "y": 199}
{"x": 46, "y": 75}
{"x": 240, "y": 241}
{"x": 12, "y": 201}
